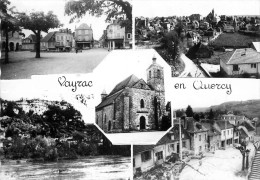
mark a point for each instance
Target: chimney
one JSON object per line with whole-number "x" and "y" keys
{"x": 103, "y": 95}
{"x": 243, "y": 54}
{"x": 154, "y": 59}
{"x": 183, "y": 118}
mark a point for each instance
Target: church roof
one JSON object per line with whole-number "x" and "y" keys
{"x": 108, "y": 100}
{"x": 128, "y": 82}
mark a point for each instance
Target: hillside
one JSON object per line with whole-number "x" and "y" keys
{"x": 250, "y": 108}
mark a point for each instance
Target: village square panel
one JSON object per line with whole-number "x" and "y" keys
{"x": 70, "y": 37}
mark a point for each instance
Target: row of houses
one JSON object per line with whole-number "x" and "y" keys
{"x": 115, "y": 36}
{"x": 65, "y": 39}
{"x": 61, "y": 40}
{"x": 197, "y": 138}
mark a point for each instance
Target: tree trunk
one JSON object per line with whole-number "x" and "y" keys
{"x": 247, "y": 161}
{"x": 6, "y": 47}
{"x": 38, "y": 44}
{"x": 243, "y": 161}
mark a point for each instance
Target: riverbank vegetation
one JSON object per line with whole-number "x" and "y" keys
{"x": 58, "y": 132}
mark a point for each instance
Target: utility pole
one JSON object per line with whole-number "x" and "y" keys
{"x": 225, "y": 133}
{"x": 180, "y": 139}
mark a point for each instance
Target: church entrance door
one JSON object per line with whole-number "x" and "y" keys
{"x": 142, "y": 122}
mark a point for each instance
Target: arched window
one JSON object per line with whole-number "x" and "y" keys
{"x": 158, "y": 73}
{"x": 150, "y": 74}
{"x": 142, "y": 103}
{"x": 105, "y": 118}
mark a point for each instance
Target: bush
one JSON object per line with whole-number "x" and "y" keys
{"x": 51, "y": 154}
{"x": 65, "y": 150}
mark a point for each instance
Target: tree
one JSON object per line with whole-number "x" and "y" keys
{"x": 170, "y": 42}
{"x": 196, "y": 116}
{"x": 111, "y": 8}
{"x": 38, "y": 22}
{"x": 202, "y": 116}
{"x": 8, "y": 24}
{"x": 211, "y": 114}
{"x": 179, "y": 113}
{"x": 189, "y": 111}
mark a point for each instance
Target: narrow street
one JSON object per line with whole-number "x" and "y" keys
{"x": 191, "y": 69}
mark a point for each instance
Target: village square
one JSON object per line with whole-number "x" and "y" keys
{"x": 56, "y": 48}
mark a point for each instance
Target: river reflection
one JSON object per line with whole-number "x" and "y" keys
{"x": 92, "y": 168}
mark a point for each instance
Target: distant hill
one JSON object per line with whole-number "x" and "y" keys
{"x": 250, "y": 108}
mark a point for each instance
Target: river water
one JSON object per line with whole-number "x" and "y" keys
{"x": 92, "y": 168}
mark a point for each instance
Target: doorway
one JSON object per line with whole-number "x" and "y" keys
{"x": 142, "y": 122}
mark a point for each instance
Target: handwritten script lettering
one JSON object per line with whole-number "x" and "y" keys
{"x": 198, "y": 85}
{"x": 73, "y": 84}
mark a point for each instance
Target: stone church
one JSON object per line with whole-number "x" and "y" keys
{"x": 133, "y": 104}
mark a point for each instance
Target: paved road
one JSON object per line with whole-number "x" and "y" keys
{"x": 23, "y": 64}
{"x": 191, "y": 69}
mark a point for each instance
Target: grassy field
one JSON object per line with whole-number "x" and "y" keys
{"x": 234, "y": 40}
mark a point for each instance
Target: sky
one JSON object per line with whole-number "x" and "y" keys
{"x": 242, "y": 90}
{"x": 57, "y": 6}
{"x": 155, "y": 8}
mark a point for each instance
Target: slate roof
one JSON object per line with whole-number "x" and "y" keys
{"x": 242, "y": 56}
{"x": 128, "y": 82}
{"x": 83, "y": 26}
{"x": 33, "y": 37}
{"x": 243, "y": 132}
{"x": 225, "y": 56}
{"x": 141, "y": 148}
{"x": 48, "y": 37}
{"x": 109, "y": 100}
{"x": 118, "y": 89}
{"x": 193, "y": 126}
{"x": 248, "y": 126}
{"x": 224, "y": 124}
{"x": 164, "y": 140}
{"x": 211, "y": 130}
